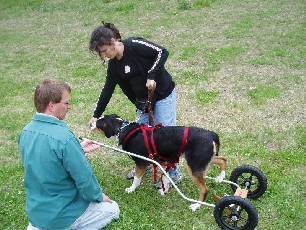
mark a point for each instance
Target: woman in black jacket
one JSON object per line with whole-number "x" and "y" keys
{"x": 136, "y": 65}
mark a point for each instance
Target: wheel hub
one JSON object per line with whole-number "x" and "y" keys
{"x": 247, "y": 183}
{"x": 234, "y": 218}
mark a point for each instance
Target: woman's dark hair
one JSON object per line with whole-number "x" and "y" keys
{"x": 102, "y": 36}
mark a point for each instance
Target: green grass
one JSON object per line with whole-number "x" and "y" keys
{"x": 239, "y": 68}
{"x": 261, "y": 94}
{"x": 206, "y": 96}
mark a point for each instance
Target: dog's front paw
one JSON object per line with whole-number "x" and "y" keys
{"x": 136, "y": 183}
{"x": 221, "y": 177}
{"x": 130, "y": 189}
{"x": 161, "y": 192}
{"x": 195, "y": 206}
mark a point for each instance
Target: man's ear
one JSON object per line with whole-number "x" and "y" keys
{"x": 50, "y": 107}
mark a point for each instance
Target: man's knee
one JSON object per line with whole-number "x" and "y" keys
{"x": 115, "y": 209}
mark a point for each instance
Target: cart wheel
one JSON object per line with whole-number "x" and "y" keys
{"x": 251, "y": 178}
{"x": 235, "y": 213}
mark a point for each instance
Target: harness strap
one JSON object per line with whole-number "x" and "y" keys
{"x": 130, "y": 134}
{"x": 152, "y": 138}
{"x": 145, "y": 130}
{"x": 184, "y": 141}
{"x": 155, "y": 172}
{"x": 151, "y": 147}
{"x": 171, "y": 164}
{"x": 154, "y": 151}
{"x": 148, "y": 105}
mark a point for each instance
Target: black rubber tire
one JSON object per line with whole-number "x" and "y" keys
{"x": 251, "y": 178}
{"x": 235, "y": 213}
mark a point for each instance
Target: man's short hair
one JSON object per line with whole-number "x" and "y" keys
{"x": 49, "y": 90}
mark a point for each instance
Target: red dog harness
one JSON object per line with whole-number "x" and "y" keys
{"x": 147, "y": 132}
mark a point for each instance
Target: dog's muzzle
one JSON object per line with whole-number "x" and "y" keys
{"x": 93, "y": 127}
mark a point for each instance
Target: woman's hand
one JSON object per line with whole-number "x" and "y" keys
{"x": 89, "y": 145}
{"x": 151, "y": 84}
{"x": 92, "y": 120}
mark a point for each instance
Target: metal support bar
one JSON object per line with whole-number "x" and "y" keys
{"x": 162, "y": 169}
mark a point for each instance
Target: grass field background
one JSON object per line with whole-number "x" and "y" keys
{"x": 239, "y": 68}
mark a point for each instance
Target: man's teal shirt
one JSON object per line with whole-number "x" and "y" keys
{"x": 58, "y": 179}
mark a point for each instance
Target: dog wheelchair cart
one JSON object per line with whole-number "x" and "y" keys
{"x": 230, "y": 212}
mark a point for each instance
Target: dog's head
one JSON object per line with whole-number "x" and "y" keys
{"x": 109, "y": 125}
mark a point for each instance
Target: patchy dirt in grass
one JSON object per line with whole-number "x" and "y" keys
{"x": 234, "y": 112}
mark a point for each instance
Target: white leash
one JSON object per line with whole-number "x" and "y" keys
{"x": 162, "y": 169}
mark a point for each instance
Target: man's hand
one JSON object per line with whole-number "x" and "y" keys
{"x": 92, "y": 120}
{"x": 89, "y": 145}
{"x": 106, "y": 199}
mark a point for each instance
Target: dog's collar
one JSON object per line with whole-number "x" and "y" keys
{"x": 124, "y": 124}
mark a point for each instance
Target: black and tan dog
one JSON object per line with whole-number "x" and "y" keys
{"x": 199, "y": 146}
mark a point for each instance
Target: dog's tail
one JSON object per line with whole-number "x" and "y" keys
{"x": 216, "y": 143}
